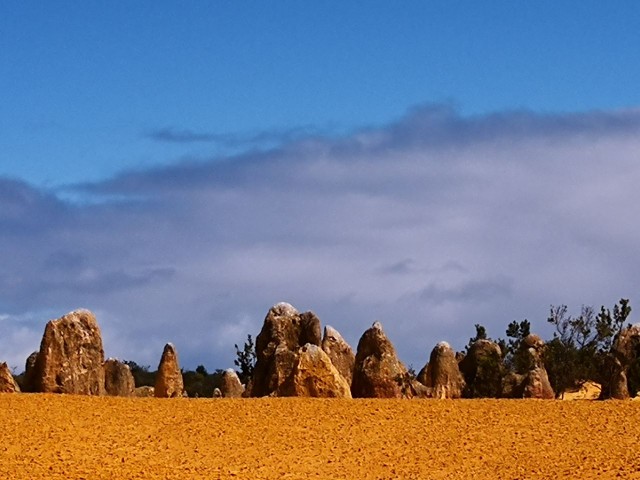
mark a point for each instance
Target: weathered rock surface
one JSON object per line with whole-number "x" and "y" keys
{"x": 29, "y": 380}
{"x": 230, "y": 386}
{"x": 314, "y": 375}
{"x": 481, "y": 369}
{"x": 7, "y": 382}
{"x": 118, "y": 379}
{"x": 513, "y": 385}
{"x": 441, "y": 374}
{"x": 217, "y": 393}
{"x": 538, "y": 386}
{"x": 310, "y": 329}
{"x": 536, "y": 383}
{"x": 339, "y": 351}
{"x": 624, "y": 352}
{"x": 377, "y": 372}
{"x": 169, "y": 382}
{"x": 144, "y": 391}
{"x": 530, "y": 380}
{"x": 283, "y": 333}
{"x": 247, "y": 389}
{"x": 71, "y": 356}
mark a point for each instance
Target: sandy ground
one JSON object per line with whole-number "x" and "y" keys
{"x": 72, "y": 437}
{"x": 588, "y": 391}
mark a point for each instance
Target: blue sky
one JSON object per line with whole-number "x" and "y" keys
{"x": 84, "y": 82}
{"x": 178, "y": 168}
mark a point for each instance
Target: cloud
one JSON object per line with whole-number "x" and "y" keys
{"x": 232, "y": 140}
{"x": 430, "y": 224}
{"x": 473, "y": 291}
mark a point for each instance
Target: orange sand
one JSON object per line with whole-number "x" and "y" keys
{"x": 588, "y": 391}
{"x": 72, "y": 437}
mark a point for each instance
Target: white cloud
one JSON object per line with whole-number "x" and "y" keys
{"x": 430, "y": 225}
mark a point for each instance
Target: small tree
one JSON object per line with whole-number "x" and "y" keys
{"x": 516, "y": 332}
{"x": 581, "y": 346}
{"x": 609, "y": 326}
{"x": 201, "y": 383}
{"x": 481, "y": 334}
{"x": 141, "y": 374}
{"x": 571, "y": 357}
{"x": 484, "y": 379}
{"x": 246, "y": 360}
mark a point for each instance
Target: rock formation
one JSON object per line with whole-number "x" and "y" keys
{"x": 71, "y": 356}
{"x": 7, "y": 382}
{"x": 118, "y": 379}
{"x": 530, "y": 380}
{"x": 144, "y": 391}
{"x": 481, "y": 369}
{"x": 442, "y": 375}
{"x": 537, "y": 383}
{"x": 283, "y": 333}
{"x": 217, "y": 393}
{"x": 513, "y": 385}
{"x": 310, "y": 331}
{"x": 624, "y": 352}
{"x": 169, "y": 377}
{"x": 377, "y": 372}
{"x": 314, "y": 375}
{"x": 230, "y": 386}
{"x": 339, "y": 352}
{"x": 29, "y": 381}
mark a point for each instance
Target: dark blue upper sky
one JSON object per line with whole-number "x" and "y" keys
{"x": 86, "y": 85}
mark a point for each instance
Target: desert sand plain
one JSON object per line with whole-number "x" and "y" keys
{"x": 79, "y": 437}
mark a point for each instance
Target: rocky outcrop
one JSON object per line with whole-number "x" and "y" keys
{"x": 624, "y": 352}
{"x": 169, "y": 382}
{"x": 339, "y": 351}
{"x": 530, "y": 380}
{"x": 71, "y": 356}
{"x": 377, "y": 372}
{"x": 537, "y": 385}
{"x": 230, "y": 386}
{"x": 283, "y": 333}
{"x": 482, "y": 370}
{"x": 513, "y": 385}
{"x": 248, "y": 387}
{"x": 310, "y": 329}
{"x": 217, "y": 393}
{"x": 314, "y": 375}
{"x": 144, "y": 391}
{"x": 118, "y": 379}
{"x": 441, "y": 374}
{"x": 29, "y": 380}
{"x": 7, "y": 382}
{"x": 536, "y": 381}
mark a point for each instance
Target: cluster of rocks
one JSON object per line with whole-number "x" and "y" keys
{"x": 71, "y": 360}
{"x": 294, "y": 359}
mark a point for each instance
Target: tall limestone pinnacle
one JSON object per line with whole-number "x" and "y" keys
{"x": 71, "y": 356}
{"x": 169, "y": 383}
